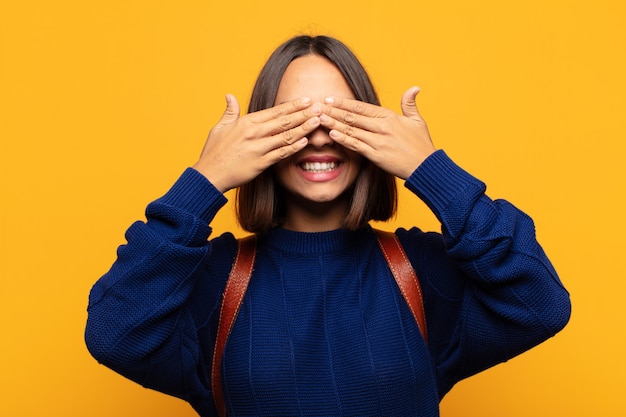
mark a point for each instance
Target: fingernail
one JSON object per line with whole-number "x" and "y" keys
{"x": 317, "y": 108}
{"x": 324, "y": 118}
{"x": 315, "y": 121}
{"x": 329, "y": 100}
{"x": 334, "y": 134}
{"x": 306, "y": 100}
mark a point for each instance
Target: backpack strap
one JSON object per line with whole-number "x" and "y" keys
{"x": 239, "y": 278}
{"x": 233, "y": 296}
{"x": 405, "y": 276}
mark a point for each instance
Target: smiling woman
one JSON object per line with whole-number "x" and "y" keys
{"x": 316, "y": 68}
{"x": 323, "y": 329}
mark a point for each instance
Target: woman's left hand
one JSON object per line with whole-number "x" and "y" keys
{"x": 397, "y": 144}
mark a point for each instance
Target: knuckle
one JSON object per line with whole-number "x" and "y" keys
{"x": 276, "y": 112}
{"x": 249, "y": 133}
{"x": 287, "y": 136}
{"x": 349, "y": 130}
{"x": 285, "y": 122}
{"x": 349, "y": 117}
{"x": 283, "y": 153}
{"x": 359, "y": 107}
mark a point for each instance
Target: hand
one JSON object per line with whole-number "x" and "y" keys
{"x": 397, "y": 144}
{"x": 239, "y": 148}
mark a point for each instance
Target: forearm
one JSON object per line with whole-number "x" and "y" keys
{"x": 483, "y": 236}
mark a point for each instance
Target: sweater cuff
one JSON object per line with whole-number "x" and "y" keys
{"x": 194, "y": 194}
{"x": 442, "y": 184}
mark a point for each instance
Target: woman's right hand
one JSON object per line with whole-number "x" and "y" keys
{"x": 238, "y": 148}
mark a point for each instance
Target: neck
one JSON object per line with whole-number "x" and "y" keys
{"x": 315, "y": 217}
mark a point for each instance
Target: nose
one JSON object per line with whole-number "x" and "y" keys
{"x": 320, "y": 138}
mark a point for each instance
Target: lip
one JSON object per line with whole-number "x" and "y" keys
{"x": 322, "y": 176}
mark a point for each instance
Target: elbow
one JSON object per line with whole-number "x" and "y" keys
{"x": 97, "y": 342}
{"x": 561, "y": 313}
{"x": 550, "y": 300}
{"x": 103, "y": 343}
{"x": 103, "y": 347}
{"x": 552, "y": 312}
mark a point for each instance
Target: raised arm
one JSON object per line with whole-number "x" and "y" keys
{"x": 148, "y": 313}
{"x": 491, "y": 292}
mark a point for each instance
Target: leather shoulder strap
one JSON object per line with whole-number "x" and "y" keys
{"x": 405, "y": 276}
{"x": 233, "y": 296}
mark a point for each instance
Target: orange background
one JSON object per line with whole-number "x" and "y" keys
{"x": 104, "y": 103}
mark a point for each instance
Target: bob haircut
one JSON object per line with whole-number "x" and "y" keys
{"x": 373, "y": 196}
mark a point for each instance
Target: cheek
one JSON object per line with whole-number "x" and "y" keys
{"x": 280, "y": 171}
{"x": 355, "y": 159}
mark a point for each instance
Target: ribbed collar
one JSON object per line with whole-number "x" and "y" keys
{"x": 315, "y": 242}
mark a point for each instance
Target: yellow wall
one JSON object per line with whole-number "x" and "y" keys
{"x": 104, "y": 103}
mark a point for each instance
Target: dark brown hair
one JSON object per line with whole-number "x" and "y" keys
{"x": 259, "y": 203}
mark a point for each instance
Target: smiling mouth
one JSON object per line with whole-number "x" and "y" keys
{"x": 319, "y": 166}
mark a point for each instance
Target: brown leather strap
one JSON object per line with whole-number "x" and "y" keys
{"x": 405, "y": 276}
{"x": 233, "y": 296}
{"x": 239, "y": 278}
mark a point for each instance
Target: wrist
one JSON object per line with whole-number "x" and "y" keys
{"x": 213, "y": 177}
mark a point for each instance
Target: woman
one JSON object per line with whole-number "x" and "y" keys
{"x": 323, "y": 329}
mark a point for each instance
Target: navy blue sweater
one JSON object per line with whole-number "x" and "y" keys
{"x": 323, "y": 329}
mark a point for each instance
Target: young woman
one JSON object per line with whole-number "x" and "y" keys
{"x": 323, "y": 329}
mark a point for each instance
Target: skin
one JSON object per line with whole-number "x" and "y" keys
{"x": 238, "y": 148}
{"x": 315, "y": 118}
{"x": 316, "y": 200}
{"x": 396, "y": 143}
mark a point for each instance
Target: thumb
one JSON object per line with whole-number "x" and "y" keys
{"x": 232, "y": 110}
{"x": 409, "y": 108}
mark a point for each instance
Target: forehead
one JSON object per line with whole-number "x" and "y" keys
{"x": 312, "y": 76}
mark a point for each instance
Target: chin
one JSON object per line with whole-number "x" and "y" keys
{"x": 321, "y": 199}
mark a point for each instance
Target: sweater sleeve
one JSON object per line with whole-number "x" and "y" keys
{"x": 141, "y": 322}
{"x": 490, "y": 291}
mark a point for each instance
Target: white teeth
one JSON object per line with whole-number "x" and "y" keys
{"x": 319, "y": 166}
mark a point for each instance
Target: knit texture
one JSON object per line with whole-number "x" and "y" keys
{"x": 323, "y": 329}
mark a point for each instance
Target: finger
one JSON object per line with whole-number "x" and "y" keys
{"x": 284, "y": 123}
{"x": 279, "y": 110}
{"x": 408, "y": 105}
{"x": 232, "y": 111}
{"x": 351, "y": 142}
{"x": 290, "y": 136}
{"x": 355, "y": 106}
{"x": 332, "y": 116}
{"x": 286, "y": 151}
{"x": 351, "y": 130}
{"x": 287, "y": 122}
{"x": 349, "y": 136}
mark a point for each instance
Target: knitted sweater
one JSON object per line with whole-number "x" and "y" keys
{"x": 323, "y": 329}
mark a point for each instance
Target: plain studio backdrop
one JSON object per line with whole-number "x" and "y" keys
{"x": 104, "y": 103}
